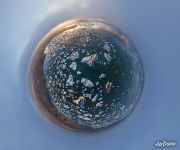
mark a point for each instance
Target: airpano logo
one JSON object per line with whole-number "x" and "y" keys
{"x": 165, "y": 143}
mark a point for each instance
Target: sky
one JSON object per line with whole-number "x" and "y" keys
{"x": 153, "y": 26}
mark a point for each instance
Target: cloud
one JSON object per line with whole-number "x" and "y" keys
{"x": 57, "y": 5}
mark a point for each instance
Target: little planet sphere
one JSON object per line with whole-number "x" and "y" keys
{"x": 86, "y": 75}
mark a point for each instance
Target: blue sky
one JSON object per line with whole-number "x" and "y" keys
{"x": 152, "y": 25}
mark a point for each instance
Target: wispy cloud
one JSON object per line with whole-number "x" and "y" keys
{"x": 58, "y": 5}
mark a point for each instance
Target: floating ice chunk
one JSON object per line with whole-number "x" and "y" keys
{"x": 122, "y": 107}
{"x": 74, "y": 55}
{"x": 102, "y": 76}
{"x": 66, "y": 106}
{"x": 99, "y": 104}
{"x": 106, "y": 47}
{"x": 86, "y": 82}
{"x": 87, "y": 115}
{"x": 108, "y": 57}
{"x": 97, "y": 83}
{"x": 70, "y": 81}
{"x": 63, "y": 60}
{"x": 63, "y": 66}
{"x": 108, "y": 86}
{"x": 97, "y": 115}
{"x": 95, "y": 98}
{"x": 77, "y": 81}
{"x": 101, "y": 98}
{"x": 84, "y": 118}
{"x": 62, "y": 47}
{"x": 71, "y": 91}
{"x": 90, "y": 60}
{"x": 87, "y": 95}
{"x": 78, "y": 72}
{"x": 73, "y": 66}
{"x": 77, "y": 101}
